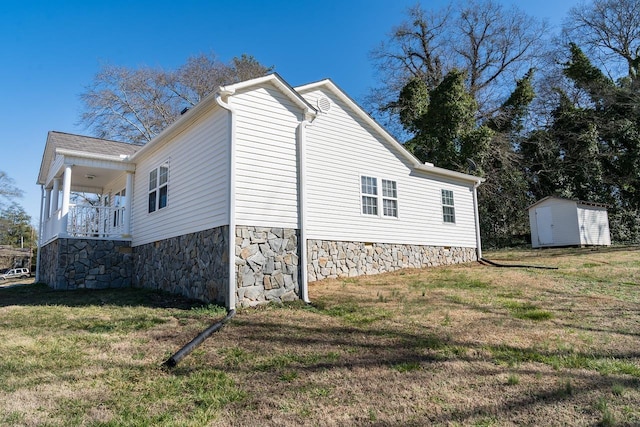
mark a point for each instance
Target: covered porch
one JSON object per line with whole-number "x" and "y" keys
{"x": 74, "y": 165}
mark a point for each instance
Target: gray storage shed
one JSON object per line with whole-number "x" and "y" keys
{"x": 556, "y": 221}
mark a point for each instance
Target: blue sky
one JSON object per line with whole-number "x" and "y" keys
{"x": 51, "y": 50}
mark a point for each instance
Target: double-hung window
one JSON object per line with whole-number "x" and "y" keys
{"x": 448, "y": 208}
{"x": 376, "y": 200}
{"x": 389, "y": 198}
{"x": 158, "y": 187}
{"x": 369, "y": 191}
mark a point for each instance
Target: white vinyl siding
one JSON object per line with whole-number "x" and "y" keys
{"x": 594, "y": 225}
{"x": 266, "y": 158}
{"x": 341, "y": 148}
{"x": 198, "y": 181}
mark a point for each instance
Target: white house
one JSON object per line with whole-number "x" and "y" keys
{"x": 556, "y": 221}
{"x": 247, "y": 197}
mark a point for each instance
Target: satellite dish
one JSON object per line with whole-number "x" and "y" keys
{"x": 472, "y": 165}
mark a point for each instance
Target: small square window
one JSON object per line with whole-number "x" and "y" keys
{"x": 369, "y": 205}
{"x": 389, "y": 189}
{"x": 369, "y": 185}
{"x": 390, "y": 207}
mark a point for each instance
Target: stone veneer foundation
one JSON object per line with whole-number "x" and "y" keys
{"x": 69, "y": 263}
{"x": 332, "y": 259}
{"x": 194, "y": 265}
{"x": 267, "y": 265}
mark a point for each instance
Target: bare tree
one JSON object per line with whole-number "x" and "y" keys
{"x": 8, "y": 190}
{"x": 609, "y": 31}
{"x": 495, "y": 46}
{"x": 134, "y": 105}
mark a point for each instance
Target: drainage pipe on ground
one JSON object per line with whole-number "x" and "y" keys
{"x": 194, "y": 343}
{"x": 495, "y": 264}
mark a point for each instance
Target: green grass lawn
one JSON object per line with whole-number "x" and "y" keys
{"x": 461, "y": 345}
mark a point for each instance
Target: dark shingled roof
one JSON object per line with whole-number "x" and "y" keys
{"x": 83, "y": 144}
{"x": 90, "y": 144}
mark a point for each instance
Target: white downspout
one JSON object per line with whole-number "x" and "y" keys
{"x": 40, "y": 233}
{"x": 477, "y": 218}
{"x": 302, "y": 209}
{"x": 231, "y": 297}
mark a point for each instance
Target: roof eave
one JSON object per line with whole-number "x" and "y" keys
{"x": 279, "y": 82}
{"x": 226, "y": 91}
{"x": 449, "y": 173}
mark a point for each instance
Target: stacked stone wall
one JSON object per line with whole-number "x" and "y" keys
{"x": 194, "y": 265}
{"x": 86, "y": 264}
{"x": 332, "y": 259}
{"x": 267, "y": 265}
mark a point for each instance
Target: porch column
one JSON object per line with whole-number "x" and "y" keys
{"x": 56, "y": 194}
{"x": 127, "y": 204}
{"x": 66, "y": 196}
{"x": 47, "y": 204}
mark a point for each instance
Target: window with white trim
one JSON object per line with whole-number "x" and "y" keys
{"x": 369, "y": 192}
{"x": 372, "y": 199}
{"x": 389, "y": 198}
{"x": 158, "y": 187}
{"x": 448, "y": 208}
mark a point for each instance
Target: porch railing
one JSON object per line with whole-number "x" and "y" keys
{"x": 103, "y": 222}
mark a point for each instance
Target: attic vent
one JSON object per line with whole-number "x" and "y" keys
{"x": 324, "y": 104}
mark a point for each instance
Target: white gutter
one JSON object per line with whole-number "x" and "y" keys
{"x": 302, "y": 209}
{"x": 40, "y": 234}
{"x": 231, "y": 290}
{"x": 429, "y": 168}
{"x": 120, "y": 158}
{"x": 477, "y": 220}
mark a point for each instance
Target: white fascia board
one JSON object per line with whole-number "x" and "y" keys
{"x": 449, "y": 173}
{"x": 56, "y": 166}
{"x": 121, "y": 159}
{"x": 327, "y": 83}
{"x": 183, "y": 121}
{"x": 277, "y": 81}
{"x": 209, "y": 102}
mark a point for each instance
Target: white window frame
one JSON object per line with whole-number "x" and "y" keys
{"x": 157, "y": 187}
{"x": 448, "y": 206}
{"x": 374, "y": 188}
{"x": 386, "y": 197}
{"x": 369, "y": 193}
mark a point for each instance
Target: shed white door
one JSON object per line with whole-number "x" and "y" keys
{"x": 544, "y": 222}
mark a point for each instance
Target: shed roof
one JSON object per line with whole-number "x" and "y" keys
{"x": 579, "y": 202}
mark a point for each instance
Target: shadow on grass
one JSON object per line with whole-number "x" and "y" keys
{"x": 283, "y": 347}
{"x": 560, "y": 251}
{"x": 38, "y": 294}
